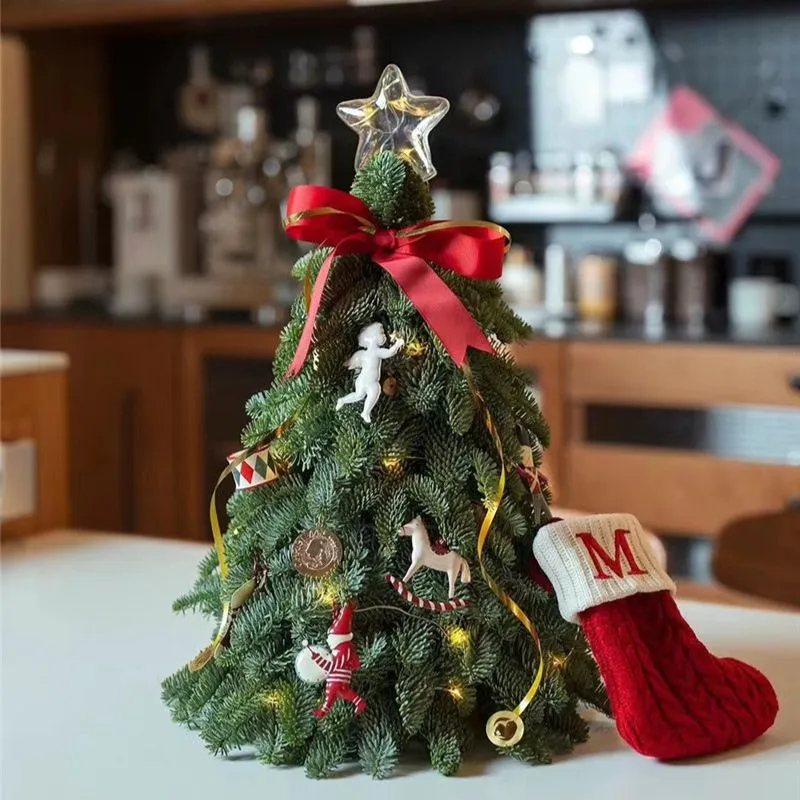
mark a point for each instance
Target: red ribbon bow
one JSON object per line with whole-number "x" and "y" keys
{"x": 472, "y": 249}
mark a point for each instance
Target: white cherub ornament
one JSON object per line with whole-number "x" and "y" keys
{"x": 367, "y": 364}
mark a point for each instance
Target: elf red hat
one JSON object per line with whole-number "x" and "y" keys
{"x": 343, "y": 624}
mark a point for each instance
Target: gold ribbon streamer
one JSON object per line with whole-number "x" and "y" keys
{"x": 325, "y": 211}
{"x": 447, "y": 224}
{"x": 491, "y": 512}
{"x": 202, "y": 658}
{"x": 205, "y": 655}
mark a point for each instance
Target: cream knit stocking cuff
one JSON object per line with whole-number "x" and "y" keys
{"x": 596, "y": 560}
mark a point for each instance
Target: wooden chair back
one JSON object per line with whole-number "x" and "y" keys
{"x": 760, "y": 555}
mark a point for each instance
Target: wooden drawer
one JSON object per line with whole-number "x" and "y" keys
{"x": 681, "y": 375}
{"x": 675, "y": 492}
{"x": 34, "y": 406}
{"x": 125, "y": 462}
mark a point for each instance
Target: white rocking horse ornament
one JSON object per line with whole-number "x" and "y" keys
{"x": 422, "y": 555}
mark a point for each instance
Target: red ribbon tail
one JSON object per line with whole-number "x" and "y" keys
{"x": 313, "y": 308}
{"x": 438, "y": 305}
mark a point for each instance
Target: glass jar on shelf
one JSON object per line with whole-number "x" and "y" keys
{"x": 596, "y": 288}
{"x": 500, "y": 177}
{"x": 692, "y": 285}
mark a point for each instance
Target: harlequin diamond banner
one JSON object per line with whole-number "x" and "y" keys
{"x": 253, "y": 471}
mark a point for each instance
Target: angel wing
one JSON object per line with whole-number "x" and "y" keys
{"x": 355, "y": 361}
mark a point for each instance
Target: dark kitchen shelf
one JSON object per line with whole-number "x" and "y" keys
{"x": 543, "y": 210}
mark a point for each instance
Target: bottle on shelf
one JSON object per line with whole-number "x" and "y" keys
{"x": 597, "y": 288}
{"x": 335, "y": 60}
{"x": 241, "y": 218}
{"x": 645, "y": 285}
{"x": 522, "y": 174}
{"x": 557, "y": 283}
{"x": 198, "y": 104}
{"x": 303, "y": 70}
{"x": 313, "y": 145}
{"x": 692, "y": 285}
{"x": 365, "y": 55}
{"x": 522, "y": 284}
{"x": 584, "y": 179}
{"x": 610, "y": 177}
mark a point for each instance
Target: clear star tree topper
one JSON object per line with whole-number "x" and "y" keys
{"x": 395, "y": 119}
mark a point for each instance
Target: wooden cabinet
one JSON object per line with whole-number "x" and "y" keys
{"x": 221, "y": 367}
{"x": 16, "y": 240}
{"x": 29, "y": 15}
{"x": 545, "y": 361}
{"x": 34, "y": 409}
{"x": 125, "y": 412}
{"x": 648, "y": 428}
{"x": 686, "y": 436}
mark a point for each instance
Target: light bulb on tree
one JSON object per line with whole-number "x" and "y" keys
{"x": 414, "y": 348}
{"x": 327, "y": 594}
{"x": 272, "y": 699}
{"x": 458, "y": 637}
{"x": 456, "y": 692}
{"x": 391, "y": 463}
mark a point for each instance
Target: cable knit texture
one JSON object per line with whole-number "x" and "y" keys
{"x": 599, "y": 559}
{"x": 671, "y": 698}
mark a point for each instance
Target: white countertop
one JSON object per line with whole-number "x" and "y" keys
{"x": 87, "y": 636}
{"x": 27, "y": 362}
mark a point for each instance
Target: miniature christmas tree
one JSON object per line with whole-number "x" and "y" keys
{"x": 388, "y": 497}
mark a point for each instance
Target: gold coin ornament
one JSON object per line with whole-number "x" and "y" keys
{"x": 316, "y": 553}
{"x": 505, "y": 728}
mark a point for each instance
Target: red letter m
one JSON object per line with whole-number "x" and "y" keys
{"x": 622, "y": 549}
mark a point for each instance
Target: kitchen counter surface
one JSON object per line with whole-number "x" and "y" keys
{"x": 87, "y": 636}
{"x": 28, "y": 362}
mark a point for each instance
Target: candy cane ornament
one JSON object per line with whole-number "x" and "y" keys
{"x": 419, "y": 602}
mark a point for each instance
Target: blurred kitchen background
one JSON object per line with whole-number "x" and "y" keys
{"x": 644, "y": 155}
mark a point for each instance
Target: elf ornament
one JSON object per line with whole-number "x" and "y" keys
{"x": 671, "y": 698}
{"x": 316, "y": 664}
{"x": 367, "y": 365}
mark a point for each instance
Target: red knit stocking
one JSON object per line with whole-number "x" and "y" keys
{"x": 672, "y": 698}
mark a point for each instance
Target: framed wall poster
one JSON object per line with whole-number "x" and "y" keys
{"x": 698, "y": 164}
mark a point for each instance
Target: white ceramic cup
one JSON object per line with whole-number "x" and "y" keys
{"x": 753, "y": 303}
